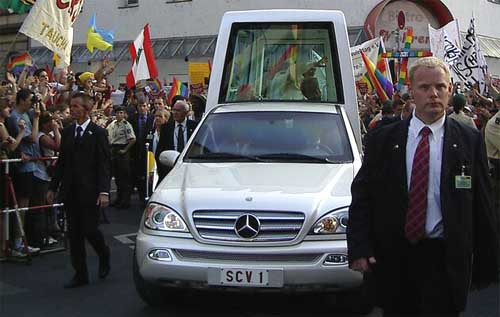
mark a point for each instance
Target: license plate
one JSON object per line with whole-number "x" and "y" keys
{"x": 243, "y": 277}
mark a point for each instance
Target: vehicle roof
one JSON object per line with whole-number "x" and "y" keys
{"x": 283, "y": 15}
{"x": 278, "y": 106}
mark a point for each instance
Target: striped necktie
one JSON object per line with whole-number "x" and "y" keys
{"x": 419, "y": 185}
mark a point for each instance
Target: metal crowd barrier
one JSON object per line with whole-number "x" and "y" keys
{"x": 10, "y": 199}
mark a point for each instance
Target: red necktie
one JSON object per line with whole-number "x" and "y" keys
{"x": 419, "y": 185}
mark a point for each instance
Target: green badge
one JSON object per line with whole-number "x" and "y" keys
{"x": 463, "y": 182}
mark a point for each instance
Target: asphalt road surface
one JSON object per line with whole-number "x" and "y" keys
{"x": 36, "y": 289}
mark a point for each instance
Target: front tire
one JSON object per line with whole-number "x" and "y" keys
{"x": 150, "y": 293}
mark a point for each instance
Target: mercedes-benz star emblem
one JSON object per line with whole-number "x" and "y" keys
{"x": 247, "y": 226}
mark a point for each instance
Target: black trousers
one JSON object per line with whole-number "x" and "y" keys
{"x": 83, "y": 222}
{"x": 419, "y": 286}
{"x": 139, "y": 171}
{"x": 121, "y": 170}
{"x": 35, "y": 225}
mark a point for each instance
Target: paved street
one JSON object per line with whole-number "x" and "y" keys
{"x": 36, "y": 290}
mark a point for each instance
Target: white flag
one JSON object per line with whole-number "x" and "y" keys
{"x": 471, "y": 66}
{"x": 51, "y": 24}
{"x": 444, "y": 42}
{"x": 370, "y": 48}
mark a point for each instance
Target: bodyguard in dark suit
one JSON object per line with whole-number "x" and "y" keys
{"x": 421, "y": 217}
{"x": 175, "y": 133}
{"x": 142, "y": 123}
{"x": 82, "y": 175}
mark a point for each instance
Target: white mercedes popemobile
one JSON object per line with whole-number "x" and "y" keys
{"x": 259, "y": 196}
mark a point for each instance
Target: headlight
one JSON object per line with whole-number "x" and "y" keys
{"x": 159, "y": 217}
{"x": 332, "y": 223}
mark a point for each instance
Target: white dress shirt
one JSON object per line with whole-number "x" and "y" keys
{"x": 176, "y": 132}
{"x": 156, "y": 139}
{"x": 434, "y": 222}
{"x": 83, "y": 125}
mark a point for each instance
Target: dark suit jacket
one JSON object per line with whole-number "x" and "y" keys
{"x": 377, "y": 213}
{"x": 138, "y": 150}
{"x": 167, "y": 141}
{"x": 83, "y": 170}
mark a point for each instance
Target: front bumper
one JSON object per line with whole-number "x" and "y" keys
{"x": 299, "y": 267}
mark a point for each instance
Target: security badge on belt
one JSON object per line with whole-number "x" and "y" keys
{"x": 463, "y": 181}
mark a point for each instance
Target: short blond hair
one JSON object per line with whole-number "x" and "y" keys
{"x": 163, "y": 112}
{"x": 431, "y": 62}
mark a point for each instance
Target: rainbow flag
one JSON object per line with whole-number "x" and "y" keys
{"x": 403, "y": 70}
{"x": 382, "y": 64}
{"x": 178, "y": 88}
{"x": 18, "y": 63}
{"x": 184, "y": 91}
{"x": 366, "y": 79}
{"x": 173, "y": 91}
{"x": 408, "y": 38}
{"x": 156, "y": 87}
{"x": 380, "y": 83}
{"x": 407, "y": 54}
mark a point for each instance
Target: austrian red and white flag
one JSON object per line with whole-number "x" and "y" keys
{"x": 144, "y": 65}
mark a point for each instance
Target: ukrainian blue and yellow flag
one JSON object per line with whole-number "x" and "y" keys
{"x": 98, "y": 38}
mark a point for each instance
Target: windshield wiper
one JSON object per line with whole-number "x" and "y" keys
{"x": 224, "y": 156}
{"x": 297, "y": 157}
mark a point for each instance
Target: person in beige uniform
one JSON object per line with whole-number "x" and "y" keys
{"x": 121, "y": 137}
{"x": 458, "y": 102}
{"x": 492, "y": 140}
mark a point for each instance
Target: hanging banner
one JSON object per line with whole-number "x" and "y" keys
{"x": 370, "y": 48}
{"x": 470, "y": 66}
{"x": 198, "y": 77}
{"x": 445, "y": 42}
{"x": 51, "y": 24}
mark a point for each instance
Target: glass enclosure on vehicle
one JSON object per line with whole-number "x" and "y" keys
{"x": 268, "y": 136}
{"x": 281, "y": 62}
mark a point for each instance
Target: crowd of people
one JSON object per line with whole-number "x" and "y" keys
{"x": 34, "y": 110}
{"x": 467, "y": 106}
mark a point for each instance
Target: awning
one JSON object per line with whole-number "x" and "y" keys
{"x": 203, "y": 46}
{"x": 490, "y": 46}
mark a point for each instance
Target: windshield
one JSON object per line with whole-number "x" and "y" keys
{"x": 281, "y": 62}
{"x": 307, "y": 137}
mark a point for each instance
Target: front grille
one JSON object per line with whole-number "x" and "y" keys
{"x": 245, "y": 257}
{"x": 274, "y": 225}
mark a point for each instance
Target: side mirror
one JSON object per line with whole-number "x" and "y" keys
{"x": 168, "y": 158}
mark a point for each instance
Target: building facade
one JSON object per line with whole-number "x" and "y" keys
{"x": 185, "y": 31}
